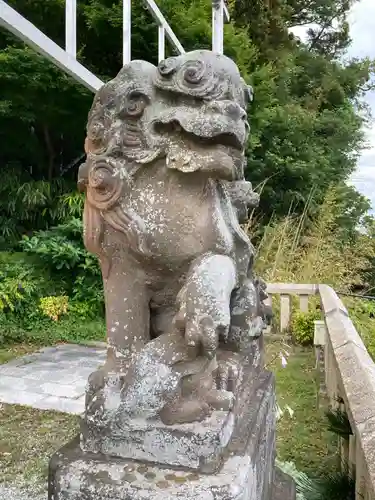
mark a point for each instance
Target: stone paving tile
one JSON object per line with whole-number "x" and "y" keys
{"x": 53, "y": 378}
{"x": 14, "y": 396}
{"x": 62, "y": 390}
{"x": 63, "y": 405}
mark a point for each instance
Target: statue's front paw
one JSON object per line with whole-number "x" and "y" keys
{"x": 202, "y": 331}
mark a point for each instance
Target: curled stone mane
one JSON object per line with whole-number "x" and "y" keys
{"x": 116, "y": 146}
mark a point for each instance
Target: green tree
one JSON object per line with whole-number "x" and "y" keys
{"x": 306, "y": 122}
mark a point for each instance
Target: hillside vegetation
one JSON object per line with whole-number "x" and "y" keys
{"x": 307, "y": 119}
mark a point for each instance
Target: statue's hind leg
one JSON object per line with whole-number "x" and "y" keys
{"x": 128, "y": 320}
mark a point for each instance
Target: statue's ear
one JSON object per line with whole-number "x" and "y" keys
{"x": 83, "y": 176}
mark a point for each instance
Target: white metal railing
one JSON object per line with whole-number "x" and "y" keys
{"x": 26, "y": 31}
{"x": 66, "y": 59}
{"x": 71, "y": 27}
{"x": 349, "y": 375}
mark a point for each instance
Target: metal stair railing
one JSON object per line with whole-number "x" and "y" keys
{"x": 66, "y": 59}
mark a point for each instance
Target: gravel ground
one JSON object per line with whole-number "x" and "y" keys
{"x": 13, "y": 493}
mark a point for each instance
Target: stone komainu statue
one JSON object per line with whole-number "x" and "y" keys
{"x": 183, "y": 407}
{"x": 165, "y": 196}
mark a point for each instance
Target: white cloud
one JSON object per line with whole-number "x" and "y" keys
{"x": 362, "y": 26}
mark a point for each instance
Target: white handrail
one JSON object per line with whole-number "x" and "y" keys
{"x": 30, "y": 34}
{"x": 71, "y": 27}
{"x": 160, "y": 19}
{"x": 161, "y": 43}
{"x": 218, "y": 26}
{"x": 126, "y": 31}
{"x": 66, "y": 59}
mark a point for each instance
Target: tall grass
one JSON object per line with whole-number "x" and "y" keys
{"x": 296, "y": 250}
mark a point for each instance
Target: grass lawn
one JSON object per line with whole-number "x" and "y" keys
{"x": 10, "y": 352}
{"x": 302, "y": 438}
{"x": 28, "y": 438}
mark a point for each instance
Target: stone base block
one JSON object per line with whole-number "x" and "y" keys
{"x": 245, "y": 472}
{"x": 199, "y": 446}
{"x": 75, "y": 475}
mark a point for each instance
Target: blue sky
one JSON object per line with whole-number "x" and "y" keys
{"x": 362, "y": 27}
{"x": 362, "y": 31}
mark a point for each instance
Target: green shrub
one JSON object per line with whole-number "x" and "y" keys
{"x": 27, "y": 204}
{"x": 338, "y": 423}
{"x": 332, "y": 485}
{"x": 61, "y": 249}
{"x": 303, "y": 327}
{"x": 39, "y": 330}
{"x": 32, "y": 295}
{"x": 54, "y": 307}
{"x": 22, "y": 281}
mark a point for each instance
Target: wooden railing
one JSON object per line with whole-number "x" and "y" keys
{"x": 349, "y": 374}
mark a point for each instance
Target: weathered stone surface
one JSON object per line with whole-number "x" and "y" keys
{"x": 165, "y": 190}
{"x": 283, "y": 486}
{"x": 199, "y": 445}
{"x": 88, "y": 478}
{"x": 183, "y": 405}
{"x": 246, "y": 472}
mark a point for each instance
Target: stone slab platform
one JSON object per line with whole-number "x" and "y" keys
{"x": 75, "y": 475}
{"x": 199, "y": 446}
{"x": 53, "y": 378}
{"x": 245, "y": 470}
{"x": 80, "y": 476}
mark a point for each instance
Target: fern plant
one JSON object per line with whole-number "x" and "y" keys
{"x": 338, "y": 423}
{"x": 20, "y": 282}
{"x": 27, "y": 204}
{"x": 333, "y": 485}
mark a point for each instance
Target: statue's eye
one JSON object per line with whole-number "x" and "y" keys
{"x": 134, "y": 105}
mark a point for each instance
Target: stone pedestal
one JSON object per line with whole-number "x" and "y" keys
{"x": 244, "y": 460}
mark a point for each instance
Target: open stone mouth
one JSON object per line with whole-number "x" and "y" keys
{"x": 174, "y": 129}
